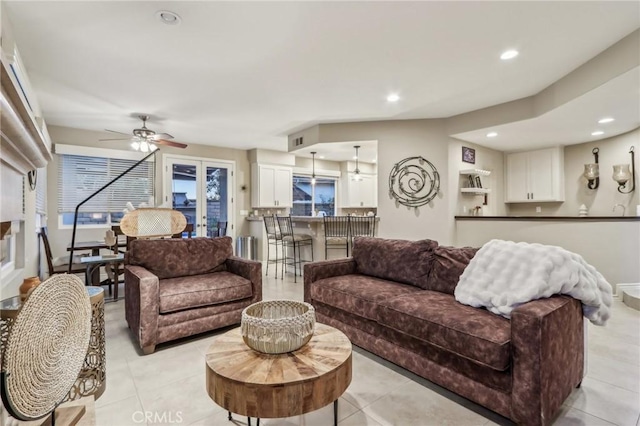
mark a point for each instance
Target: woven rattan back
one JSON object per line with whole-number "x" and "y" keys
{"x": 336, "y": 226}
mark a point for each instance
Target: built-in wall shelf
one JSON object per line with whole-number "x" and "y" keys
{"x": 477, "y": 172}
{"x": 473, "y": 182}
{"x": 478, "y": 191}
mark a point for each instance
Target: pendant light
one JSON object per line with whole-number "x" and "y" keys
{"x": 313, "y": 169}
{"x": 356, "y": 172}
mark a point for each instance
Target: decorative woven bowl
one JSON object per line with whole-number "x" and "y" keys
{"x": 278, "y": 326}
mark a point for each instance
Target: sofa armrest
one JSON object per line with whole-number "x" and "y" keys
{"x": 316, "y": 271}
{"x": 547, "y": 340}
{"x": 142, "y": 303}
{"x": 249, "y": 269}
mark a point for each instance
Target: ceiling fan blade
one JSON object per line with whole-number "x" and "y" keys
{"x": 115, "y": 131}
{"x": 170, "y": 143}
{"x": 118, "y": 139}
{"x": 158, "y": 136}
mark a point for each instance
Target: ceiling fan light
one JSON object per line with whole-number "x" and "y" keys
{"x": 144, "y": 146}
{"x": 152, "y": 147}
{"x": 135, "y": 145}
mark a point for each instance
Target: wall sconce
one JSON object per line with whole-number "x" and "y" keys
{"x": 592, "y": 171}
{"x": 622, "y": 174}
{"x": 313, "y": 167}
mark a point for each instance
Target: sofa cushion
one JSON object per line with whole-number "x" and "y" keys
{"x": 437, "y": 318}
{"x": 407, "y": 262}
{"x": 358, "y": 294}
{"x": 180, "y": 257}
{"x": 448, "y": 265}
{"x": 202, "y": 290}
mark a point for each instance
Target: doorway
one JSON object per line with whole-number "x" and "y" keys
{"x": 202, "y": 190}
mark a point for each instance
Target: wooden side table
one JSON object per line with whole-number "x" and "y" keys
{"x": 92, "y": 377}
{"x": 254, "y": 384}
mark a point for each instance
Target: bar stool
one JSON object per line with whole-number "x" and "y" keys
{"x": 295, "y": 241}
{"x": 361, "y": 226}
{"x": 336, "y": 234}
{"x": 274, "y": 238}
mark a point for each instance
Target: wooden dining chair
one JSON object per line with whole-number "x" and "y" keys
{"x": 76, "y": 268}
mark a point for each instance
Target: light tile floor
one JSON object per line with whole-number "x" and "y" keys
{"x": 168, "y": 387}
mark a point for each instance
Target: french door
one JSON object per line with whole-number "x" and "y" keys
{"x": 203, "y": 191}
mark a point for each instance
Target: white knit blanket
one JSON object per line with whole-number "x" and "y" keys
{"x": 505, "y": 274}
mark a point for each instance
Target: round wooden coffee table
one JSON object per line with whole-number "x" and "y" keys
{"x": 254, "y": 384}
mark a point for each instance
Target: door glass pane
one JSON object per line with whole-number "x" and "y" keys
{"x": 183, "y": 184}
{"x": 217, "y": 201}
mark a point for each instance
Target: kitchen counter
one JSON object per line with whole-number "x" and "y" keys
{"x": 311, "y": 219}
{"x": 555, "y": 218}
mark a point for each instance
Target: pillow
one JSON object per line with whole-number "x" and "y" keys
{"x": 180, "y": 257}
{"x": 448, "y": 265}
{"x": 404, "y": 261}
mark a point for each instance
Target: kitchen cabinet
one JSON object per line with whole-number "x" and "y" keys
{"x": 362, "y": 193}
{"x": 535, "y": 176}
{"x": 271, "y": 186}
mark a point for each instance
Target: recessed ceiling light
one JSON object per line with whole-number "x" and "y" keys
{"x": 597, "y": 133}
{"x": 509, "y": 54}
{"x": 492, "y": 134}
{"x": 393, "y": 97}
{"x": 321, "y": 157}
{"x": 374, "y": 160}
{"x": 355, "y": 157}
{"x": 169, "y": 18}
{"x": 606, "y": 120}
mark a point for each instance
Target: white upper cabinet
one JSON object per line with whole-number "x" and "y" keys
{"x": 271, "y": 186}
{"x": 362, "y": 193}
{"x": 535, "y": 176}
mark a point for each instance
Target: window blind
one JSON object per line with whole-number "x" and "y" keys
{"x": 41, "y": 192}
{"x": 80, "y": 176}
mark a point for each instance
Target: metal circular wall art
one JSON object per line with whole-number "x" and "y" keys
{"x": 414, "y": 182}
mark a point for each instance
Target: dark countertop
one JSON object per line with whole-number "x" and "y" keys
{"x": 296, "y": 218}
{"x": 555, "y": 218}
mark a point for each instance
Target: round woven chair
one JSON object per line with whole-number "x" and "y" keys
{"x": 46, "y": 348}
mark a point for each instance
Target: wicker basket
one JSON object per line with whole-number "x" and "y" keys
{"x": 278, "y": 326}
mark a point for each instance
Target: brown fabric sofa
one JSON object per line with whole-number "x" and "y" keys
{"x": 180, "y": 287}
{"x": 395, "y": 298}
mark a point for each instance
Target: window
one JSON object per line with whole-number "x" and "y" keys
{"x": 80, "y": 176}
{"x": 41, "y": 192}
{"x": 308, "y": 198}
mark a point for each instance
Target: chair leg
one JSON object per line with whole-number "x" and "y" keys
{"x": 276, "y": 259}
{"x": 266, "y": 274}
{"x": 295, "y": 271}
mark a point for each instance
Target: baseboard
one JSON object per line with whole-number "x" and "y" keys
{"x": 625, "y": 286}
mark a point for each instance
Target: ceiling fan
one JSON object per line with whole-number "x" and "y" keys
{"x": 145, "y": 139}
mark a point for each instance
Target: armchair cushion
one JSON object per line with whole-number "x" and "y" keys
{"x": 202, "y": 290}
{"x": 176, "y": 257}
{"x": 407, "y": 262}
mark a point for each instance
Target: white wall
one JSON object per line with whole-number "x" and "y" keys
{"x": 398, "y": 140}
{"x": 486, "y": 159}
{"x": 600, "y": 201}
{"x": 611, "y": 247}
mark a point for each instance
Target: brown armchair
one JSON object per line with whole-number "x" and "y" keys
{"x": 180, "y": 287}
